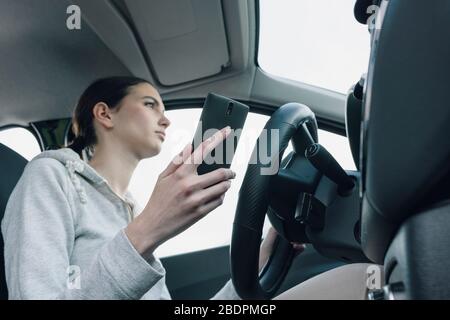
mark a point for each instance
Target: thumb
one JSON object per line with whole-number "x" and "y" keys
{"x": 177, "y": 161}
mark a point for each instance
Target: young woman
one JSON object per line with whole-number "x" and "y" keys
{"x": 71, "y": 227}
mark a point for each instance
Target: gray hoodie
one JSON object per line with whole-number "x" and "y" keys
{"x": 64, "y": 237}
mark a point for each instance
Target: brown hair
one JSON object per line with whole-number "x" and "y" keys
{"x": 108, "y": 90}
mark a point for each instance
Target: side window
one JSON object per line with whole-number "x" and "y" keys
{"x": 321, "y": 42}
{"x": 22, "y": 141}
{"x": 339, "y": 147}
{"x": 215, "y": 229}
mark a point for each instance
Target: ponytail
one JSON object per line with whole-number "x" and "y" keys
{"x": 78, "y": 145}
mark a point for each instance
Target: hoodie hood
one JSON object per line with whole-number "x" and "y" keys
{"x": 76, "y": 168}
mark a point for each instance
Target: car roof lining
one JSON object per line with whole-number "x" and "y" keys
{"x": 42, "y": 74}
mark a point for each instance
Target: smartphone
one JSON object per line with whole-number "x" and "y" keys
{"x": 219, "y": 112}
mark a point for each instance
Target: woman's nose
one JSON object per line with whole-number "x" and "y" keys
{"x": 165, "y": 121}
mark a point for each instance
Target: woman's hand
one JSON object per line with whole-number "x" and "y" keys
{"x": 267, "y": 247}
{"x": 181, "y": 197}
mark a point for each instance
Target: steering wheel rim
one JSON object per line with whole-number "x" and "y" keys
{"x": 292, "y": 121}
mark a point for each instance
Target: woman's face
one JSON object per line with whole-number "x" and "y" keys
{"x": 140, "y": 123}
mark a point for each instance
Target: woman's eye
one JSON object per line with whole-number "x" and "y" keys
{"x": 149, "y": 104}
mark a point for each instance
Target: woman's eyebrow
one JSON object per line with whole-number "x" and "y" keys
{"x": 149, "y": 97}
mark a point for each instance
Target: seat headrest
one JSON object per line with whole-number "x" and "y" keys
{"x": 12, "y": 165}
{"x": 406, "y": 145}
{"x": 11, "y": 168}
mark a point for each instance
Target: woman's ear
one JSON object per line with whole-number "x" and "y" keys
{"x": 102, "y": 113}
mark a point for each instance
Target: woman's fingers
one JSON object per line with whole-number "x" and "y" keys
{"x": 272, "y": 233}
{"x": 211, "y": 178}
{"x": 206, "y": 195}
{"x": 191, "y": 159}
{"x": 211, "y": 205}
{"x": 177, "y": 161}
{"x": 208, "y": 200}
{"x": 298, "y": 248}
{"x": 208, "y": 145}
{"x": 268, "y": 242}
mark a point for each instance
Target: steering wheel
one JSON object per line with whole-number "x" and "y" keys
{"x": 291, "y": 122}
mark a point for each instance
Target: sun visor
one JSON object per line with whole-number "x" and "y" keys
{"x": 184, "y": 39}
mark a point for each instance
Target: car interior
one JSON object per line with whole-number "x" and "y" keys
{"x": 392, "y": 210}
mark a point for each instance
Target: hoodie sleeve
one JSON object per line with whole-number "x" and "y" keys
{"x": 39, "y": 234}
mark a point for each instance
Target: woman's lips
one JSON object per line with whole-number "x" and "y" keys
{"x": 161, "y": 135}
